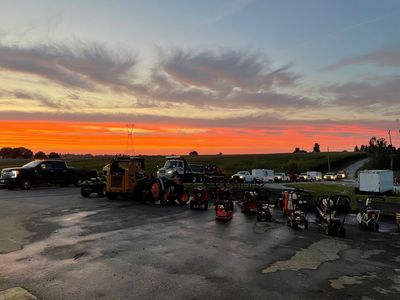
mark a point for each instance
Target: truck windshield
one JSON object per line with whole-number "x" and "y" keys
{"x": 171, "y": 164}
{"x": 31, "y": 164}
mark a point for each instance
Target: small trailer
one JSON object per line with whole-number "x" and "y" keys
{"x": 375, "y": 181}
{"x": 314, "y": 176}
{"x": 263, "y": 175}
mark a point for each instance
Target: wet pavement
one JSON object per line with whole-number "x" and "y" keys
{"x": 58, "y": 245}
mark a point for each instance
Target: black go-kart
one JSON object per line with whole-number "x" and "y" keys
{"x": 264, "y": 212}
{"x": 199, "y": 198}
{"x": 368, "y": 218}
{"x": 327, "y": 215}
{"x": 298, "y": 217}
{"x": 96, "y": 184}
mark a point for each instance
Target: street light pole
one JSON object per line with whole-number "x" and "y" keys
{"x": 329, "y": 162}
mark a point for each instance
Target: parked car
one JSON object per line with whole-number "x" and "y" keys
{"x": 341, "y": 175}
{"x": 304, "y": 177}
{"x": 293, "y": 177}
{"x": 281, "y": 177}
{"x": 242, "y": 176}
{"x": 330, "y": 176}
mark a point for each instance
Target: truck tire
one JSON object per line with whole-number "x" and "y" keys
{"x": 112, "y": 196}
{"x": 101, "y": 192}
{"x": 26, "y": 184}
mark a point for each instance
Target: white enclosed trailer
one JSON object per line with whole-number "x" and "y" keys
{"x": 314, "y": 176}
{"x": 376, "y": 181}
{"x": 264, "y": 175}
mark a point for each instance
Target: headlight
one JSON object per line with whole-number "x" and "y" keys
{"x": 14, "y": 174}
{"x": 169, "y": 172}
{"x": 241, "y": 177}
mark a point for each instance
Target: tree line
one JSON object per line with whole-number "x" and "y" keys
{"x": 22, "y": 152}
{"x": 381, "y": 154}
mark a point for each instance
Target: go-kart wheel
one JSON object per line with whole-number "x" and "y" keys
{"x": 191, "y": 205}
{"x": 295, "y": 226}
{"x": 112, "y": 196}
{"x": 306, "y": 225}
{"x": 376, "y": 226}
{"x": 101, "y": 192}
{"x": 85, "y": 194}
{"x": 206, "y": 206}
{"x": 342, "y": 232}
{"x": 327, "y": 230}
{"x": 184, "y": 198}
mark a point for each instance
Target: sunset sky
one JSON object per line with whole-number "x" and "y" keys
{"x": 213, "y": 76}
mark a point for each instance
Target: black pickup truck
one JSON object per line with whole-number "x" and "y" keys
{"x": 40, "y": 172}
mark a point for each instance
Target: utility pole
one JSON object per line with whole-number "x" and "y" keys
{"x": 329, "y": 162}
{"x": 391, "y": 150}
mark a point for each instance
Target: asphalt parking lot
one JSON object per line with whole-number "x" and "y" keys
{"x": 58, "y": 245}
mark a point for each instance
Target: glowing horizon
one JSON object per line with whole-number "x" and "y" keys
{"x": 111, "y": 138}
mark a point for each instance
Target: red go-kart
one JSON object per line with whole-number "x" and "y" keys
{"x": 224, "y": 204}
{"x": 250, "y": 202}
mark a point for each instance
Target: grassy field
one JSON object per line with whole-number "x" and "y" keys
{"x": 320, "y": 188}
{"x": 230, "y": 164}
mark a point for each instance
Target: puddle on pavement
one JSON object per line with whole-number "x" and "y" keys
{"x": 393, "y": 288}
{"x": 14, "y": 235}
{"x": 396, "y": 281}
{"x": 350, "y": 280}
{"x": 311, "y": 257}
{"x": 369, "y": 253}
{"x": 396, "y": 244}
